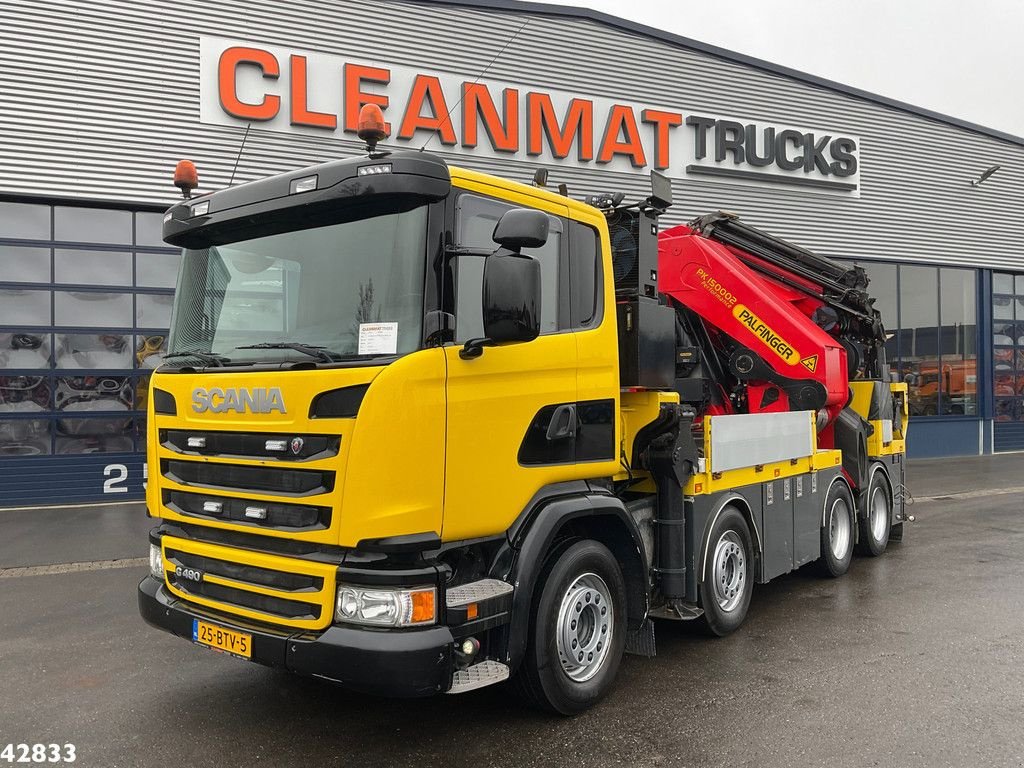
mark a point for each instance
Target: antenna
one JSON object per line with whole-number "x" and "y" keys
{"x": 239, "y": 155}
{"x": 482, "y": 73}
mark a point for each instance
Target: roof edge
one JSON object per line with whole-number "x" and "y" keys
{"x": 572, "y": 11}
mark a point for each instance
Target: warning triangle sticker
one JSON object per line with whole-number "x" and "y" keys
{"x": 810, "y": 363}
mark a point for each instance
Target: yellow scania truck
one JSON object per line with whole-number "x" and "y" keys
{"x": 421, "y": 430}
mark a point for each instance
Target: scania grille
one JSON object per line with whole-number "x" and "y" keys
{"x": 269, "y": 588}
{"x": 283, "y": 447}
{"x": 288, "y": 482}
{"x": 250, "y": 574}
{"x": 263, "y": 514}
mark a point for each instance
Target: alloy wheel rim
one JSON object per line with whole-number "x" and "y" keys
{"x": 586, "y": 621}
{"x": 730, "y": 571}
{"x": 879, "y": 513}
{"x": 839, "y": 529}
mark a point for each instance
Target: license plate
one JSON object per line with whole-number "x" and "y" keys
{"x": 221, "y": 639}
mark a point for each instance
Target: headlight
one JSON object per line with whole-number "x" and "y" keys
{"x": 386, "y": 607}
{"x": 156, "y": 562}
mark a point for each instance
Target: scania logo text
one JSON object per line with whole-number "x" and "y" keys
{"x": 258, "y": 400}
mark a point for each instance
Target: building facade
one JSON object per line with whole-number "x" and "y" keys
{"x": 98, "y": 100}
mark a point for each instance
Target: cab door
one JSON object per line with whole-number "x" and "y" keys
{"x": 511, "y": 411}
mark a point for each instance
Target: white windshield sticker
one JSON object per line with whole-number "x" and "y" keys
{"x": 378, "y": 338}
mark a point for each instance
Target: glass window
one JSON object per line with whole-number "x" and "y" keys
{"x": 24, "y": 437}
{"x": 24, "y": 307}
{"x": 157, "y": 270}
{"x": 584, "y": 276}
{"x": 140, "y": 435}
{"x": 1008, "y": 346}
{"x": 1002, "y": 283}
{"x": 82, "y": 351}
{"x": 92, "y": 267}
{"x": 92, "y": 225}
{"x": 25, "y": 350}
{"x": 93, "y": 393}
{"x": 958, "y": 333}
{"x": 476, "y": 219}
{"x": 150, "y": 350}
{"x": 25, "y": 221}
{"x": 354, "y": 288}
{"x": 24, "y": 394}
{"x": 24, "y": 264}
{"x": 149, "y": 230}
{"x": 153, "y": 310}
{"x": 883, "y": 286}
{"x": 89, "y": 308}
{"x": 919, "y": 342}
{"x": 95, "y": 435}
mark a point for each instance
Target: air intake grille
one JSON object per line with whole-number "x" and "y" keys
{"x": 259, "y": 513}
{"x": 289, "y": 482}
{"x": 291, "y": 591}
{"x": 264, "y": 577}
{"x": 284, "y": 447}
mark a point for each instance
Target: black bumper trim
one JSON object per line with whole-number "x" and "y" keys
{"x": 402, "y": 664}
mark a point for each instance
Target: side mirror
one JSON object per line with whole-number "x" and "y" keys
{"x": 511, "y": 298}
{"x": 522, "y": 228}
{"x": 511, "y": 302}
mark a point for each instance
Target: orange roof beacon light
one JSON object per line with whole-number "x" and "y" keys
{"x": 371, "y": 126}
{"x": 186, "y": 178}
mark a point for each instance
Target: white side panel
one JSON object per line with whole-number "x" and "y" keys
{"x": 745, "y": 440}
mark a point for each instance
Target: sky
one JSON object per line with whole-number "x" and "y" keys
{"x": 963, "y": 58}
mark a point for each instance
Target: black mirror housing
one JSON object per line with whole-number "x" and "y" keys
{"x": 511, "y": 296}
{"x": 522, "y": 228}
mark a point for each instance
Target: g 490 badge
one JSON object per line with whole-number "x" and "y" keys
{"x": 188, "y": 574}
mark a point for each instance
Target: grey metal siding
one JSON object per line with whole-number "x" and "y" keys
{"x": 98, "y": 99}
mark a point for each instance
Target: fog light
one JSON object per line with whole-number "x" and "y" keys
{"x": 470, "y": 646}
{"x": 156, "y": 562}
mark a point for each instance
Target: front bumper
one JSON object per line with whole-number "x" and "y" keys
{"x": 393, "y": 663}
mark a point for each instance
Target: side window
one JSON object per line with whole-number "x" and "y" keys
{"x": 584, "y": 276}
{"x": 475, "y": 218}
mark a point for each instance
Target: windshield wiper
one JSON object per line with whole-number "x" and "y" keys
{"x": 206, "y": 357}
{"x": 321, "y": 353}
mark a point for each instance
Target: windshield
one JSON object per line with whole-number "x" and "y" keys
{"x": 354, "y": 288}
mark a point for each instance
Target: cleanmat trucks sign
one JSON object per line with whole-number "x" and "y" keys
{"x": 282, "y": 89}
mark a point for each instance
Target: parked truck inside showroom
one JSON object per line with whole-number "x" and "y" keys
{"x": 421, "y": 429}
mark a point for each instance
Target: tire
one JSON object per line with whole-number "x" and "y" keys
{"x": 877, "y": 515}
{"x": 728, "y": 582}
{"x": 837, "y": 529}
{"x": 571, "y": 617}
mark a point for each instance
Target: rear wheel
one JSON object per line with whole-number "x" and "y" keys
{"x": 577, "y": 630}
{"x": 877, "y": 517}
{"x": 727, "y": 585}
{"x": 837, "y": 531}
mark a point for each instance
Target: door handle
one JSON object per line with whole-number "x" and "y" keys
{"x": 563, "y": 422}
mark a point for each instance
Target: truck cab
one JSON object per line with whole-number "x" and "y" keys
{"x": 319, "y": 422}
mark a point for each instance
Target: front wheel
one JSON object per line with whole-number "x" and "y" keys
{"x": 727, "y": 585}
{"x": 577, "y": 630}
{"x": 877, "y": 517}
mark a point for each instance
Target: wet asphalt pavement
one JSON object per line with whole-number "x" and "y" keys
{"x": 912, "y": 659}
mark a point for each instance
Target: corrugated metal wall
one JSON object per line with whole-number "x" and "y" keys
{"x": 99, "y": 98}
